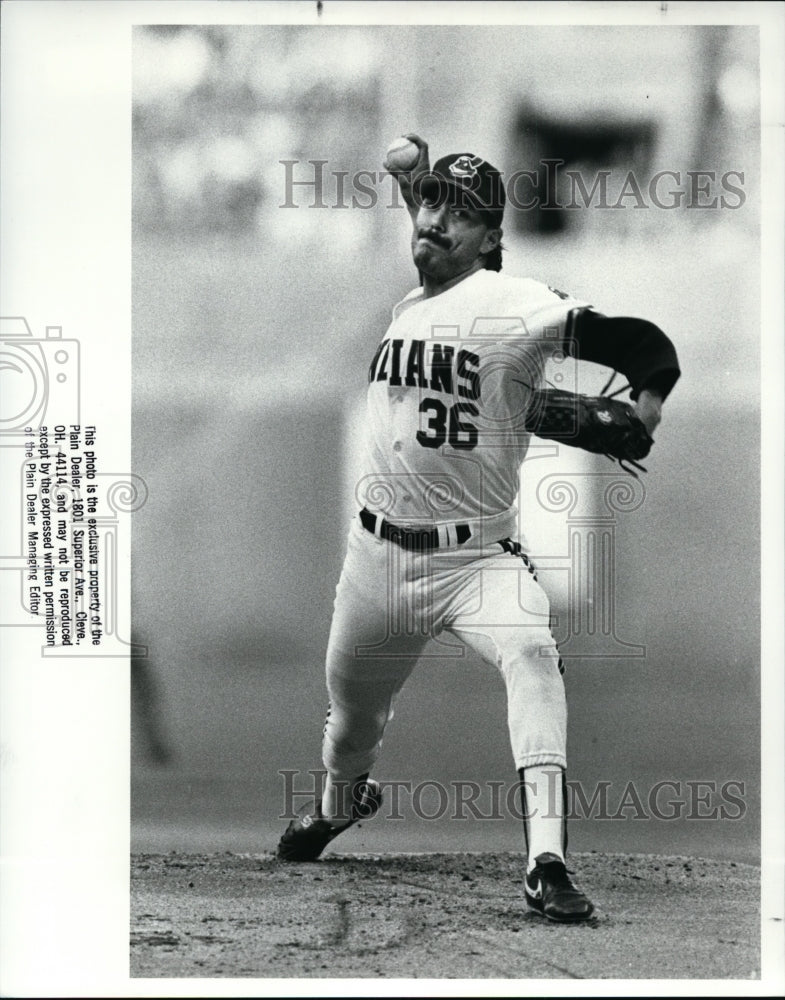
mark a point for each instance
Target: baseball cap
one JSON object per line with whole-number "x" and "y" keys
{"x": 469, "y": 179}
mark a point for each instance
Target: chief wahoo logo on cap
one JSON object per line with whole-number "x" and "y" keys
{"x": 465, "y": 167}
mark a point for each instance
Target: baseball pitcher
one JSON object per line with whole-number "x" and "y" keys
{"x": 455, "y": 392}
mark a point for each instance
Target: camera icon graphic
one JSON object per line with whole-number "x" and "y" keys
{"x": 39, "y": 378}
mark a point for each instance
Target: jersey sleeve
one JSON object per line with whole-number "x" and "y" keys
{"x": 543, "y": 309}
{"x": 635, "y": 347}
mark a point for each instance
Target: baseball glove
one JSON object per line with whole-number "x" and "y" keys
{"x": 595, "y": 423}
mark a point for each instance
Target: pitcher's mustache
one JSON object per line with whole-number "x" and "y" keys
{"x": 434, "y": 235}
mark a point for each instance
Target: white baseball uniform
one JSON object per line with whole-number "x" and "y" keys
{"x": 431, "y": 549}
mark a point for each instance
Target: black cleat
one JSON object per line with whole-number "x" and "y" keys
{"x": 307, "y": 836}
{"x": 550, "y": 892}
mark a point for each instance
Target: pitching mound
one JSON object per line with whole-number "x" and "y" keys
{"x": 439, "y": 916}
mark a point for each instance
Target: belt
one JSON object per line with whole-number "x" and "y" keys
{"x": 413, "y": 539}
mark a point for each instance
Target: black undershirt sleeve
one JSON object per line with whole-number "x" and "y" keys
{"x": 635, "y": 347}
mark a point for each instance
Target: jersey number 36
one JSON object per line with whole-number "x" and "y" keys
{"x": 446, "y": 425}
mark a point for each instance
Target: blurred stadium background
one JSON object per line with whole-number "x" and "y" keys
{"x": 253, "y": 326}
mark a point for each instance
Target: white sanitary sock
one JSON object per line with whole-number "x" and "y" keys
{"x": 544, "y": 810}
{"x": 334, "y": 804}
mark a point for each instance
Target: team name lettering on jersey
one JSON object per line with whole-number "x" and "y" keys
{"x": 427, "y": 365}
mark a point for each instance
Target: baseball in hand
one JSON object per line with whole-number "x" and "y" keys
{"x": 402, "y": 154}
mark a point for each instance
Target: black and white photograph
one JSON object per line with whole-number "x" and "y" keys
{"x": 392, "y": 431}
